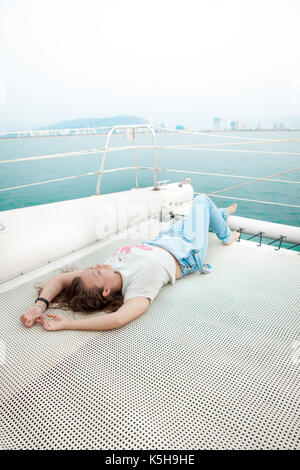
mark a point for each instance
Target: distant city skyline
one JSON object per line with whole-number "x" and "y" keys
{"x": 174, "y": 62}
{"x": 102, "y": 126}
{"x": 237, "y": 125}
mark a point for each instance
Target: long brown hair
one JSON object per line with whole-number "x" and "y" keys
{"x": 79, "y": 299}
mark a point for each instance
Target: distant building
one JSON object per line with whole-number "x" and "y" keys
{"x": 179, "y": 127}
{"x": 283, "y": 127}
{"x": 12, "y": 134}
{"x": 259, "y": 126}
{"x": 227, "y": 124}
{"x": 235, "y": 125}
{"x": 217, "y": 123}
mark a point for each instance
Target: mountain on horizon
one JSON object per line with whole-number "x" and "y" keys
{"x": 95, "y": 122}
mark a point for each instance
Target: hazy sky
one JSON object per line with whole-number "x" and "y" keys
{"x": 174, "y": 61}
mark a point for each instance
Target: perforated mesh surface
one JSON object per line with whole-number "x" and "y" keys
{"x": 212, "y": 364}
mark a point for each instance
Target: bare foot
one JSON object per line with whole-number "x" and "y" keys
{"x": 234, "y": 236}
{"x": 231, "y": 209}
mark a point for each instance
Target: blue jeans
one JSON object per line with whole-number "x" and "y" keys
{"x": 187, "y": 239}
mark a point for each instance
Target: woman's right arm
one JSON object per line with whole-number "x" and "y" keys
{"x": 49, "y": 292}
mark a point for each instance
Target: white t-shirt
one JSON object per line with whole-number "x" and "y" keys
{"x": 144, "y": 270}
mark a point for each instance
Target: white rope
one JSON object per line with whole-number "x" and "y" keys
{"x": 70, "y": 177}
{"x": 55, "y": 155}
{"x": 251, "y": 182}
{"x": 234, "y": 176}
{"x": 266, "y": 178}
{"x": 241, "y": 143}
{"x": 118, "y": 149}
{"x": 253, "y": 200}
{"x": 48, "y": 181}
{"x": 231, "y": 150}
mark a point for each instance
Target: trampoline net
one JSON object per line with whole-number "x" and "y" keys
{"x": 212, "y": 364}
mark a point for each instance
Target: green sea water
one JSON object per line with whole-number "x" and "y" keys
{"x": 220, "y": 158}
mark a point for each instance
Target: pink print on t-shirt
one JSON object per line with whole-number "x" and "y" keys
{"x": 125, "y": 250}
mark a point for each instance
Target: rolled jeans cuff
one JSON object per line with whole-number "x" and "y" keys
{"x": 227, "y": 239}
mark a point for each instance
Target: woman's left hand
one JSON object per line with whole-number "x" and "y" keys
{"x": 55, "y": 323}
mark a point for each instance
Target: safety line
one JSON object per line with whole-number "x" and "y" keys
{"x": 234, "y": 176}
{"x": 252, "y": 182}
{"x": 118, "y": 149}
{"x": 240, "y": 143}
{"x": 70, "y": 177}
{"x": 253, "y": 200}
{"x": 267, "y": 178}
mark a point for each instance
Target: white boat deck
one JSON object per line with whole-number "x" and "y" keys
{"x": 212, "y": 364}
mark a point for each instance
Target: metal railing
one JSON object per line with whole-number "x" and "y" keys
{"x": 155, "y": 169}
{"x": 106, "y": 148}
